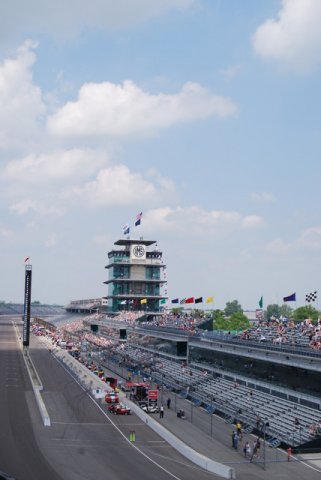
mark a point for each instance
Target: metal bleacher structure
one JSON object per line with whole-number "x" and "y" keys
{"x": 266, "y": 408}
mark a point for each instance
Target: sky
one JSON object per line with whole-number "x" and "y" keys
{"x": 205, "y": 115}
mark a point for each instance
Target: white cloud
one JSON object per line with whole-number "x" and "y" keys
{"x": 294, "y": 37}
{"x": 58, "y": 165}
{"x": 252, "y": 221}
{"x": 118, "y": 110}
{"x": 195, "y": 220}
{"x": 231, "y": 72}
{"x": 51, "y": 241}
{"x": 310, "y": 238}
{"x": 262, "y": 197}
{"x": 44, "y": 206}
{"x": 67, "y": 19}
{"x": 278, "y": 247}
{"x": 21, "y": 104}
{"x": 117, "y": 185}
{"x": 6, "y": 232}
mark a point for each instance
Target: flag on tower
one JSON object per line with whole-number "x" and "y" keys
{"x": 261, "y": 302}
{"x": 126, "y": 229}
{"x": 26, "y": 259}
{"x": 138, "y": 219}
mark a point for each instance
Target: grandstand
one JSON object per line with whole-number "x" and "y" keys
{"x": 274, "y": 389}
{"x": 36, "y": 309}
{"x": 240, "y": 377}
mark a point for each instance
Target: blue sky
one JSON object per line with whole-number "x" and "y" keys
{"x": 203, "y": 114}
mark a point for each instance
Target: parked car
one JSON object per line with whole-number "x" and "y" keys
{"x": 119, "y": 409}
{"x": 112, "y": 397}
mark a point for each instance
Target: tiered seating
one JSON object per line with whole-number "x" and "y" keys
{"x": 248, "y": 405}
{"x": 304, "y": 335}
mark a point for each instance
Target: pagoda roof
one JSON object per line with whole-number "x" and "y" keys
{"x": 128, "y": 241}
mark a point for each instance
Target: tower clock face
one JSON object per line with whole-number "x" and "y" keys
{"x": 139, "y": 251}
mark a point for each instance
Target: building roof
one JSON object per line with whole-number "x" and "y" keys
{"x": 128, "y": 241}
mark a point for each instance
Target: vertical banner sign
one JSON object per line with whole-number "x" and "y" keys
{"x": 152, "y": 397}
{"x": 27, "y": 306}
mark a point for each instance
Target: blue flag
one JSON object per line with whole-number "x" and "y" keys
{"x": 290, "y": 298}
{"x": 175, "y": 300}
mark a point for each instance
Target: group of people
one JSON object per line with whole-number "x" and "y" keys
{"x": 250, "y": 451}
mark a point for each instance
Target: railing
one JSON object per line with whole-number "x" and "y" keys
{"x": 223, "y": 338}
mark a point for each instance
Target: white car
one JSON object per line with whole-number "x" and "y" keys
{"x": 150, "y": 408}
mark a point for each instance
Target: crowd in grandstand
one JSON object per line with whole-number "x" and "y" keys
{"x": 304, "y": 333}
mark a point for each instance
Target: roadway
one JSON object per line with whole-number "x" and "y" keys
{"x": 84, "y": 441}
{"x": 19, "y": 455}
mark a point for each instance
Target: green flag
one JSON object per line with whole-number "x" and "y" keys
{"x": 261, "y": 302}
{"x": 163, "y": 300}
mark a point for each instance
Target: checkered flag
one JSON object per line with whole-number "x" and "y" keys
{"x": 311, "y": 297}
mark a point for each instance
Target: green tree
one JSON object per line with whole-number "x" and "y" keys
{"x": 177, "y": 310}
{"x": 307, "y": 311}
{"x": 237, "y": 321}
{"x": 286, "y": 310}
{"x": 273, "y": 310}
{"x": 232, "y": 307}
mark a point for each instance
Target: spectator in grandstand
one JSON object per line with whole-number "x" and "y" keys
{"x": 312, "y": 430}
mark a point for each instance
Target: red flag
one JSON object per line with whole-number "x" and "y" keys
{"x": 26, "y": 259}
{"x": 189, "y": 300}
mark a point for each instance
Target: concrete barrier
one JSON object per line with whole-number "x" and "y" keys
{"x": 37, "y": 387}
